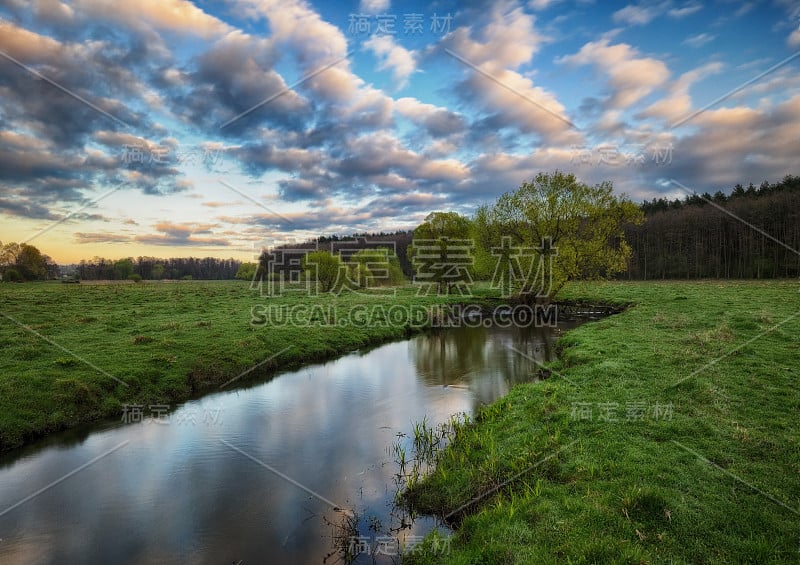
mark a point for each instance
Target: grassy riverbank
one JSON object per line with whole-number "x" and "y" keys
{"x": 669, "y": 433}
{"x": 88, "y": 349}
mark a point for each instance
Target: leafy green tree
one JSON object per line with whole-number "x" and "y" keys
{"x": 443, "y": 224}
{"x": 361, "y": 275}
{"x": 378, "y": 266}
{"x": 448, "y": 237}
{"x": 26, "y": 260}
{"x": 123, "y": 269}
{"x": 246, "y": 271}
{"x": 10, "y": 253}
{"x": 31, "y": 264}
{"x": 555, "y": 229}
{"x": 323, "y": 268}
{"x": 158, "y": 271}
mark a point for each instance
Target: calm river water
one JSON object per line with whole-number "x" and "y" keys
{"x": 257, "y": 474}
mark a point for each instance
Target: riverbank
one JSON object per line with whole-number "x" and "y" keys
{"x": 665, "y": 434}
{"x": 78, "y": 353}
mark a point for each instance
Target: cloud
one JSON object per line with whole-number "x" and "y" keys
{"x": 232, "y": 77}
{"x": 508, "y": 41}
{"x": 26, "y": 208}
{"x": 794, "y": 38}
{"x": 678, "y": 103}
{"x": 436, "y": 120}
{"x": 639, "y": 14}
{"x": 373, "y": 6}
{"x": 698, "y": 40}
{"x": 630, "y": 77}
{"x": 315, "y": 45}
{"x": 399, "y": 60}
{"x": 212, "y": 204}
{"x": 178, "y": 16}
{"x": 182, "y": 235}
{"x": 100, "y": 237}
{"x": 54, "y": 11}
{"x": 541, "y": 4}
{"x": 686, "y": 10}
{"x": 738, "y": 144}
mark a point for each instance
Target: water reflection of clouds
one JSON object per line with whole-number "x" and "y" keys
{"x": 176, "y": 492}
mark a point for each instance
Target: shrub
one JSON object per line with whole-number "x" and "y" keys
{"x": 12, "y": 275}
{"x": 135, "y": 278}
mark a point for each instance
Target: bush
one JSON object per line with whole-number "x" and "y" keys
{"x": 187, "y": 278}
{"x": 135, "y": 278}
{"x": 12, "y": 275}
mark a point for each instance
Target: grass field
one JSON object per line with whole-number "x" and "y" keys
{"x": 666, "y": 434}
{"x": 85, "y": 350}
{"x": 669, "y": 433}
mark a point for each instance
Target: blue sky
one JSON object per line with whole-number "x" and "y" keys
{"x": 174, "y": 128}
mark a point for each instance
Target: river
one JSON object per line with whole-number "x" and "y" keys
{"x": 266, "y": 473}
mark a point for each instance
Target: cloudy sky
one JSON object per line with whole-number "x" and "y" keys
{"x": 176, "y": 128}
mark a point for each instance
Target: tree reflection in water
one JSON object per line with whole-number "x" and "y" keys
{"x": 485, "y": 360}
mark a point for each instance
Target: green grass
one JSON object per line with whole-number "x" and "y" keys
{"x": 693, "y": 472}
{"x": 165, "y": 341}
{"x": 562, "y": 488}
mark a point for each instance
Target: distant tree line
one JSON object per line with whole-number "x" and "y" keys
{"x": 753, "y": 232}
{"x": 397, "y": 243}
{"x": 151, "y": 268}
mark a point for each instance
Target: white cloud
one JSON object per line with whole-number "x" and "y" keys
{"x": 399, "y": 60}
{"x": 794, "y": 38}
{"x": 738, "y": 144}
{"x": 631, "y": 77}
{"x": 678, "y": 103}
{"x": 687, "y": 10}
{"x": 437, "y": 120}
{"x": 541, "y": 4}
{"x": 699, "y": 40}
{"x": 174, "y": 15}
{"x": 373, "y": 6}
{"x": 743, "y": 9}
{"x": 508, "y": 41}
{"x": 638, "y": 14}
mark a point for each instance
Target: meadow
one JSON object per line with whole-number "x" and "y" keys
{"x": 665, "y": 434}
{"x": 78, "y": 353}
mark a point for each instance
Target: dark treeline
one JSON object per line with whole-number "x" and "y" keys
{"x": 151, "y": 268}
{"x": 397, "y": 242}
{"x": 708, "y": 236}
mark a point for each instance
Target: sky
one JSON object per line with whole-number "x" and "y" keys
{"x": 171, "y": 128}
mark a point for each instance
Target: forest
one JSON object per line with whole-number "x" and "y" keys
{"x": 752, "y": 233}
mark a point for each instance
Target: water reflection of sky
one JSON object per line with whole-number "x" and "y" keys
{"x": 175, "y": 492}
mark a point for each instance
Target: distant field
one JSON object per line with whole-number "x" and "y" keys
{"x": 669, "y": 433}
{"x": 164, "y": 341}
